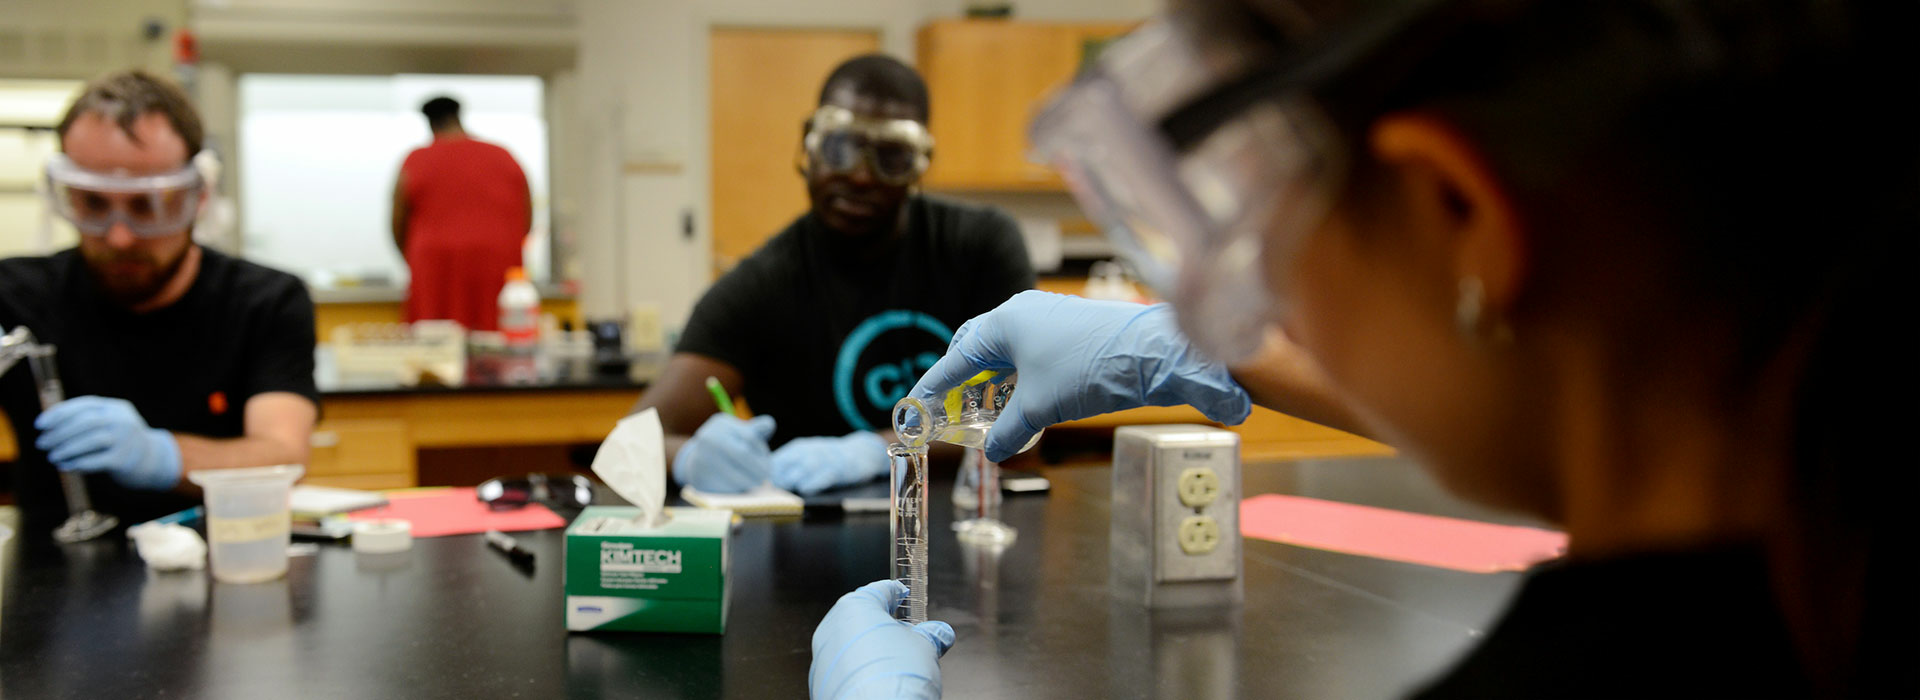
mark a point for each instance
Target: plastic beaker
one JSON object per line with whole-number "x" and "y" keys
{"x": 248, "y": 521}
{"x": 962, "y": 417}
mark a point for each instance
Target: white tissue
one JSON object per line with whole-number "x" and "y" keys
{"x": 169, "y": 546}
{"x": 633, "y": 462}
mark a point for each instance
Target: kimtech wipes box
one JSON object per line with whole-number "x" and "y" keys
{"x": 623, "y": 576}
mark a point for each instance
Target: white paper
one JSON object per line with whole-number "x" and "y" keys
{"x": 327, "y": 500}
{"x": 765, "y": 499}
{"x": 633, "y": 462}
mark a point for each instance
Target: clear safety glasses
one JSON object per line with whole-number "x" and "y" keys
{"x": 895, "y": 151}
{"x": 1197, "y": 142}
{"x": 150, "y": 205}
{"x": 1194, "y": 209}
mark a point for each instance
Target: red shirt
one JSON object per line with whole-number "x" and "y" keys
{"x": 467, "y": 217}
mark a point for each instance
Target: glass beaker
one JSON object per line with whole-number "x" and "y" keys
{"x": 962, "y": 417}
{"x": 248, "y": 520}
{"x": 979, "y": 479}
{"x": 976, "y": 478}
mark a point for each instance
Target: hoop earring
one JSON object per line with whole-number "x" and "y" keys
{"x": 1471, "y": 318}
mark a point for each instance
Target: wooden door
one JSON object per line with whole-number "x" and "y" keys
{"x": 765, "y": 83}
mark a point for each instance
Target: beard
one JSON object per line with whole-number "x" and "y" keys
{"x": 129, "y": 277}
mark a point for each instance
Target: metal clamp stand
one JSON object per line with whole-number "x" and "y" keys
{"x": 84, "y": 523}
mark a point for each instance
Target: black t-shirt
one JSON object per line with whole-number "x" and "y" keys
{"x": 240, "y": 330}
{"x": 1683, "y": 625}
{"x": 827, "y": 343}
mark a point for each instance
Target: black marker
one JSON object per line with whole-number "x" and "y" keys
{"x": 520, "y": 556}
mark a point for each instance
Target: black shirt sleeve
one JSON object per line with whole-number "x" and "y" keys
{"x": 283, "y": 341}
{"x": 724, "y": 324}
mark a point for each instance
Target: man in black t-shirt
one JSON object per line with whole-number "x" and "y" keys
{"x": 830, "y": 322}
{"x": 176, "y": 357}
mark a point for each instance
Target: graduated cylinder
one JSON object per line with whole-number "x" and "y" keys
{"x": 909, "y": 529}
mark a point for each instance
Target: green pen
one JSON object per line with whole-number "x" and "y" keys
{"x": 720, "y": 397}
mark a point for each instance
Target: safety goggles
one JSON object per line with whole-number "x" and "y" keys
{"x": 149, "y": 205}
{"x": 894, "y": 151}
{"x": 571, "y": 491}
{"x": 1204, "y": 157}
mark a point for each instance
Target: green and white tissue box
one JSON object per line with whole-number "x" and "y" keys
{"x": 625, "y": 577}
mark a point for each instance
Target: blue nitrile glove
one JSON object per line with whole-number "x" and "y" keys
{"x": 1078, "y": 358}
{"x": 860, "y": 651}
{"x": 810, "y": 465}
{"x": 726, "y": 455}
{"x": 99, "y": 434}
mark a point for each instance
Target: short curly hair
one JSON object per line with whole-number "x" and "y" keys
{"x": 125, "y": 96}
{"x": 881, "y": 76}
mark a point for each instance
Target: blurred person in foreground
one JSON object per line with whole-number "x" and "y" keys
{"x": 1624, "y": 265}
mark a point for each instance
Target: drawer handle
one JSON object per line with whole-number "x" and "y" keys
{"x": 324, "y": 438}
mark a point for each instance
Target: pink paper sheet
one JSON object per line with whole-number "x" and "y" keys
{"x": 1451, "y": 543}
{"x": 456, "y": 512}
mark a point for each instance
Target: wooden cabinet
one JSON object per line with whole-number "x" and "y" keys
{"x": 1265, "y": 436}
{"x": 9, "y": 447}
{"x": 371, "y": 441}
{"x": 361, "y": 453}
{"x": 986, "y": 79}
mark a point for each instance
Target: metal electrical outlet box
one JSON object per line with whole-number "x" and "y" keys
{"x": 1175, "y": 537}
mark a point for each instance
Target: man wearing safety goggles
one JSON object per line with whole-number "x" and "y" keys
{"x": 1626, "y": 266}
{"x": 827, "y": 325}
{"x": 177, "y": 357}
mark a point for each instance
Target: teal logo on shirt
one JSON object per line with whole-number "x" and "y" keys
{"x": 862, "y": 384}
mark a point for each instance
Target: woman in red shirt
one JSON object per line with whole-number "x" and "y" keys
{"x": 461, "y": 209}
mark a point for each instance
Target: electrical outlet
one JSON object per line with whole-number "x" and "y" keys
{"x": 1175, "y": 536}
{"x": 1199, "y": 535}
{"x": 1199, "y": 486}
{"x": 1196, "y": 507}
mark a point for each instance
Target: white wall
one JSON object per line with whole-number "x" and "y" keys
{"x": 382, "y": 23}
{"x": 74, "y": 40}
{"x": 643, "y": 112}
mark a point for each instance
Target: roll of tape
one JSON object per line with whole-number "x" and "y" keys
{"x": 382, "y": 536}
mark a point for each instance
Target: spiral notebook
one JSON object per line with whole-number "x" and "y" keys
{"x": 765, "y": 500}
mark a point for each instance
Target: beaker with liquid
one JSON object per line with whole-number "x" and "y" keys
{"x": 962, "y": 416}
{"x": 248, "y": 520}
{"x": 909, "y": 529}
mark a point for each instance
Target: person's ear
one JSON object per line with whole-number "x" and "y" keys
{"x": 1450, "y": 188}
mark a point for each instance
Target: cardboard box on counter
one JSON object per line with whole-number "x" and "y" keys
{"x": 622, "y": 576}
